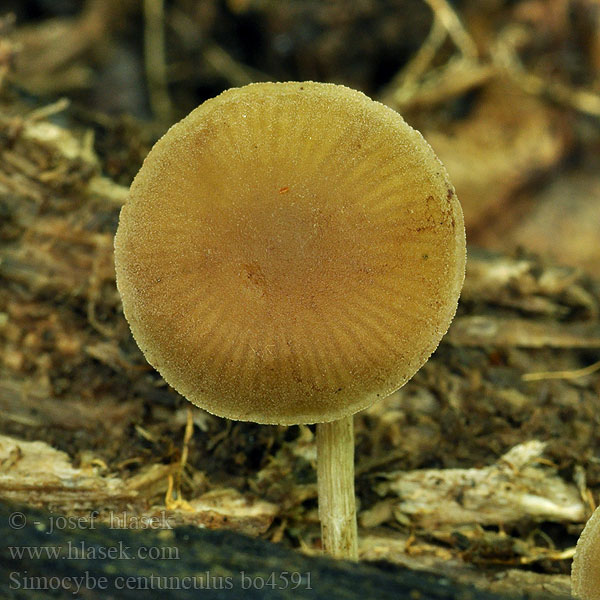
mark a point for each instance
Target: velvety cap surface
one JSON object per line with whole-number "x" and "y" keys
{"x": 585, "y": 574}
{"x": 290, "y": 253}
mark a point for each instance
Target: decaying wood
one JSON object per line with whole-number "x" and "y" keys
{"x": 519, "y": 486}
{"x": 34, "y": 473}
{"x": 87, "y": 426}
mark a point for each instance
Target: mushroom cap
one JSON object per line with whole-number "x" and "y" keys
{"x": 290, "y": 253}
{"x": 585, "y": 572}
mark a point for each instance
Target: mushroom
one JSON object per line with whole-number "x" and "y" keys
{"x": 290, "y": 253}
{"x": 585, "y": 572}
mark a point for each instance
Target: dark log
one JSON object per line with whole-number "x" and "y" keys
{"x": 213, "y": 565}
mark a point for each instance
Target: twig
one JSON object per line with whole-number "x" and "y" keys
{"x": 505, "y": 56}
{"x": 176, "y": 501}
{"x": 155, "y": 59}
{"x": 417, "y": 84}
{"x": 50, "y": 109}
{"x": 447, "y": 15}
{"x": 405, "y": 83}
{"x": 236, "y": 73}
{"x": 187, "y": 436}
{"x": 574, "y": 374}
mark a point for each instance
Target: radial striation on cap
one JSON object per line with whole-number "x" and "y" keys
{"x": 290, "y": 253}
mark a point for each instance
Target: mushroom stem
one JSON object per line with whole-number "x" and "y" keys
{"x": 335, "y": 475}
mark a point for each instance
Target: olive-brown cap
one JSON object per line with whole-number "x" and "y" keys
{"x": 585, "y": 573}
{"x": 290, "y": 253}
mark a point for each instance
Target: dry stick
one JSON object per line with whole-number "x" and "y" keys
{"x": 335, "y": 474}
{"x": 155, "y": 59}
{"x": 406, "y": 82}
{"x": 574, "y": 374}
{"x": 443, "y": 11}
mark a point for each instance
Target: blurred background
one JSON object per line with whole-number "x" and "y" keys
{"x": 506, "y": 91}
{"x": 508, "y": 94}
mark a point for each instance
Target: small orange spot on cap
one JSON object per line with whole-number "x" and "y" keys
{"x": 284, "y": 190}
